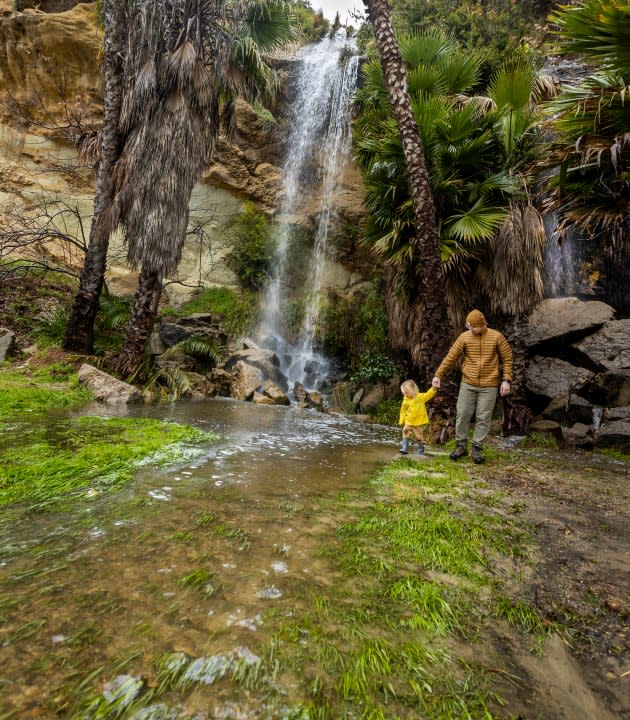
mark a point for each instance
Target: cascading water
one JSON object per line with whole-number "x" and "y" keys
{"x": 317, "y": 149}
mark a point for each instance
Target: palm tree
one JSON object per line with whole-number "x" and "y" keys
{"x": 419, "y": 321}
{"x": 80, "y": 329}
{"x": 185, "y": 63}
{"x": 589, "y": 182}
{"x": 476, "y": 147}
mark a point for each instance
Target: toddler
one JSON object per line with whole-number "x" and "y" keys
{"x": 413, "y": 415}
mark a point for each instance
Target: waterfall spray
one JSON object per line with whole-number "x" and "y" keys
{"x": 317, "y": 148}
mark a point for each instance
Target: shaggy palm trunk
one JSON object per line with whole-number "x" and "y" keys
{"x": 617, "y": 268}
{"x": 427, "y": 329}
{"x": 141, "y": 321}
{"x": 79, "y": 335}
{"x": 516, "y": 415}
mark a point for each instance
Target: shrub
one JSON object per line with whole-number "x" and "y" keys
{"x": 252, "y": 247}
{"x": 374, "y": 368}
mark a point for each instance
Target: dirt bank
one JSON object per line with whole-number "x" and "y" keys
{"x": 578, "y": 505}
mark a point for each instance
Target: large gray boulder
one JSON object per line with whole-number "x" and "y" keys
{"x": 568, "y": 408}
{"x": 265, "y": 360}
{"x": 108, "y": 389}
{"x": 550, "y": 377}
{"x": 609, "y": 347}
{"x": 566, "y": 320}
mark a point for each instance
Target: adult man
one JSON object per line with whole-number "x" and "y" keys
{"x": 487, "y": 357}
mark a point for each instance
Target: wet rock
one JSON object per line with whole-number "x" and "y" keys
{"x": 274, "y": 393}
{"x": 246, "y": 379}
{"x": 566, "y": 320}
{"x": 220, "y": 382}
{"x": 617, "y": 413}
{"x": 108, "y": 389}
{"x": 260, "y": 399}
{"x": 7, "y": 343}
{"x": 265, "y": 360}
{"x": 341, "y": 398}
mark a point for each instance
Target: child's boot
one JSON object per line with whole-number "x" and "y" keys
{"x": 404, "y": 447}
{"x": 420, "y": 450}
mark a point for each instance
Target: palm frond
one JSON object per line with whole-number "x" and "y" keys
{"x": 475, "y": 224}
{"x": 196, "y": 347}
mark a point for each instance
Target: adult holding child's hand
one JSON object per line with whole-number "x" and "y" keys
{"x": 486, "y": 358}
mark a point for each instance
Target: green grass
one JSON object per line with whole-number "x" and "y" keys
{"x": 56, "y": 387}
{"x": 61, "y": 456}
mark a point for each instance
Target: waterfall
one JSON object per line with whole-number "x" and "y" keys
{"x": 317, "y": 149}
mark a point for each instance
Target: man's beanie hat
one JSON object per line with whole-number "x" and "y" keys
{"x": 475, "y": 318}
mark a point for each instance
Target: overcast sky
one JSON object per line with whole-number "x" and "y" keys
{"x": 330, "y": 7}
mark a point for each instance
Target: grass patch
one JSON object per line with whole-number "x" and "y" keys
{"x": 55, "y": 387}
{"x": 61, "y": 456}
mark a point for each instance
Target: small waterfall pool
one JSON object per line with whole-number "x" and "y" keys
{"x": 109, "y": 588}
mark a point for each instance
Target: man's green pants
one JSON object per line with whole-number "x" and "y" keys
{"x": 480, "y": 402}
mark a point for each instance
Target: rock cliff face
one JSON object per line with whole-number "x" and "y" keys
{"x": 49, "y": 71}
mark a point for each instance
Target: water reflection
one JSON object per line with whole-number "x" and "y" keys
{"x": 183, "y": 559}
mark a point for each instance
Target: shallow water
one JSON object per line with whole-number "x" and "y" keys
{"x": 108, "y": 588}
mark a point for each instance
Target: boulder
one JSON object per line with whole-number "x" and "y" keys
{"x": 568, "y": 409}
{"x": 608, "y": 389}
{"x": 550, "y": 377}
{"x": 615, "y": 435}
{"x": 547, "y": 428}
{"x": 617, "y": 413}
{"x": 272, "y": 392}
{"x": 609, "y": 347}
{"x": 246, "y": 379}
{"x": 265, "y": 360}
{"x": 260, "y": 399}
{"x": 108, "y": 389}
{"x": 220, "y": 382}
{"x": 566, "y": 320}
{"x": 7, "y": 343}
{"x": 342, "y": 398}
{"x": 579, "y": 435}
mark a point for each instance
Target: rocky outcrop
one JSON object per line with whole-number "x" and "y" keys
{"x": 579, "y": 375}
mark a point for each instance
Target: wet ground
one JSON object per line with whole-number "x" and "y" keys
{"x": 130, "y": 575}
{"x": 194, "y": 558}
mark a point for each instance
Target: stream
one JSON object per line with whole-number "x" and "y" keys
{"x": 186, "y": 559}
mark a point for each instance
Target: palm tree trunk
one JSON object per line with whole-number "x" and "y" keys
{"x": 141, "y": 322}
{"x": 516, "y": 414}
{"x": 428, "y": 329}
{"x": 79, "y": 336}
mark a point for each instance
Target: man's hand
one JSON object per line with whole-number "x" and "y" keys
{"x": 436, "y": 382}
{"x": 505, "y": 388}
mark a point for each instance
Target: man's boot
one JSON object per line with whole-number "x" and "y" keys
{"x": 477, "y": 454}
{"x": 460, "y": 451}
{"x": 404, "y": 447}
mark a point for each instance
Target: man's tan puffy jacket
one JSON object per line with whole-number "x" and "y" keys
{"x": 487, "y": 358}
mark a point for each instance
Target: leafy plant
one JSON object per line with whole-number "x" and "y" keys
{"x": 373, "y": 368}
{"x": 252, "y": 247}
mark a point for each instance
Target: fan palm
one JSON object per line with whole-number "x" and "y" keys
{"x": 472, "y": 145}
{"x": 185, "y": 63}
